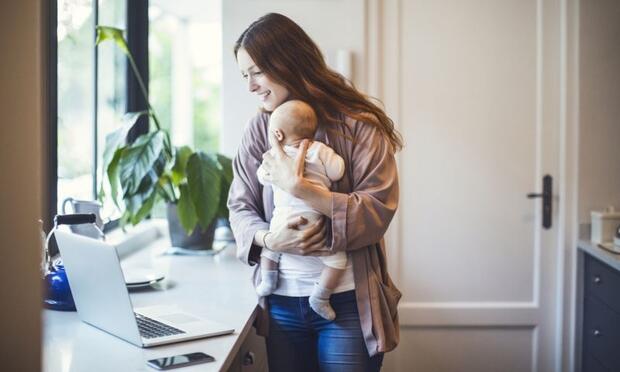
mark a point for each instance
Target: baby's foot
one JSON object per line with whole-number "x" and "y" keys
{"x": 268, "y": 284}
{"x": 322, "y": 307}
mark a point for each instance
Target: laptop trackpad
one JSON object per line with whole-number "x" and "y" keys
{"x": 179, "y": 318}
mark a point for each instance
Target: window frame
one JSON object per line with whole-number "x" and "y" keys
{"x": 52, "y": 112}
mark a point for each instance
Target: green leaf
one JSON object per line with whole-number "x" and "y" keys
{"x": 222, "y": 209}
{"x": 112, "y": 171}
{"x": 118, "y": 138}
{"x": 101, "y": 194}
{"x": 138, "y": 159}
{"x": 151, "y": 180}
{"x": 204, "y": 178}
{"x": 167, "y": 191}
{"x": 139, "y": 204}
{"x": 227, "y": 177}
{"x": 111, "y": 33}
{"x": 185, "y": 210}
{"x": 125, "y": 218}
{"x": 180, "y": 164}
{"x": 145, "y": 208}
{"x": 113, "y": 142}
{"x": 148, "y": 182}
{"x": 133, "y": 204}
{"x": 227, "y": 171}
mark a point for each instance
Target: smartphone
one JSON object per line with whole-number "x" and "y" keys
{"x": 180, "y": 361}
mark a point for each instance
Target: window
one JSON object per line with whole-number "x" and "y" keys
{"x": 91, "y": 88}
{"x": 76, "y": 20}
{"x": 185, "y": 66}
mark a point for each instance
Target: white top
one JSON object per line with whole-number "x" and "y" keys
{"x": 297, "y": 274}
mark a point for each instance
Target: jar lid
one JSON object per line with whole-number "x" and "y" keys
{"x": 609, "y": 213}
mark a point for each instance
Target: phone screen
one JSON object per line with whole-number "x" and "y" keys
{"x": 180, "y": 360}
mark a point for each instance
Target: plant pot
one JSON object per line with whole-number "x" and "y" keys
{"x": 197, "y": 240}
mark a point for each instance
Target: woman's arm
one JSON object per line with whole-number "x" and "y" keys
{"x": 245, "y": 199}
{"x": 314, "y": 195}
{"x": 361, "y": 217}
{"x": 245, "y": 204}
{"x": 298, "y": 237}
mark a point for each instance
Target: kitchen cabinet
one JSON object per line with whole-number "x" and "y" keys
{"x": 600, "y": 332}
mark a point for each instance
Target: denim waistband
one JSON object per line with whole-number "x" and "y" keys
{"x": 341, "y": 296}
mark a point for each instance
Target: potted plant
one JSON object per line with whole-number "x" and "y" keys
{"x": 194, "y": 184}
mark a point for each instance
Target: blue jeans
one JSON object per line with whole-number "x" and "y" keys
{"x": 301, "y": 340}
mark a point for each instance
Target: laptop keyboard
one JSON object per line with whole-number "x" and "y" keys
{"x": 151, "y": 328}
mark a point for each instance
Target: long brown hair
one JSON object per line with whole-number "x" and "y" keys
{"x": 285, "y": 53}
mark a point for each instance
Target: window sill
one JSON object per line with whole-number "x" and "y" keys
{"x": 134, "y": 238}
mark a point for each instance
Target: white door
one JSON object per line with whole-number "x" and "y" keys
{"x": 478, "y": 104}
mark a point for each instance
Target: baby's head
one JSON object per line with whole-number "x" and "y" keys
{"x": 292, "y": 122}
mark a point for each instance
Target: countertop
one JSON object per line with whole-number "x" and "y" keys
{"x": 214, "y": 287}
{"x": 612, "y": 259}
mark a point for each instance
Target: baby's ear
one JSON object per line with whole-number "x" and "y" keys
{"x": 279, "y": 135}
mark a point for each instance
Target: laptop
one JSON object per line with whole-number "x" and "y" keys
{"x": 102, "y": 300}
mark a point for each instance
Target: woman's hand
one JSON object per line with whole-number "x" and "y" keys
{"x": 281, "y": 170}
{"x": 297, "y": 238}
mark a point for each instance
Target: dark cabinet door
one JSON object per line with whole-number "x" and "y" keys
{"x": 591, "y": 364}
{"x": 601, "y": 317}
{"x": 602, "y": 282}
{"x": 601, "y": 333}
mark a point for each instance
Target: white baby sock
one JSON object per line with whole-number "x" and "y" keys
{"x": 319, "y": 302}
{"x": 268, "y": 283}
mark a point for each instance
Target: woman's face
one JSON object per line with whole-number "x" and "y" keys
{"x": 270, "y": 93}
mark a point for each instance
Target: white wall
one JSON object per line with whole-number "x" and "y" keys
{"x": 599, "y": 108}
{"x": 21, "y": 200}
{"x": 333, "y": 25}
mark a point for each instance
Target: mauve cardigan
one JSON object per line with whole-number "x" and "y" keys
{"x": 363, "y": 204}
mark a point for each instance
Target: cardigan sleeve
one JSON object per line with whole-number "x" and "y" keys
{"x": 361, "y": 217}
{"x": 245, "y": 198}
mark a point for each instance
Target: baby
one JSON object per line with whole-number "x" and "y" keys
{"x": 292, "y": 122}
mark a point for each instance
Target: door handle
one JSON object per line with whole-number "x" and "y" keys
{"x": 546, "y": 200}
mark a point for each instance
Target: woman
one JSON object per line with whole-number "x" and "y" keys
{"x": 280, "y": 62}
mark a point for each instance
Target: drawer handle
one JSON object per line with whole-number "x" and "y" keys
{"x": 597, "y": 279}
{"x": 596, "y": 333}
{"x": 248, "y": 359}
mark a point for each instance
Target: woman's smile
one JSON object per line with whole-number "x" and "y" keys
{"x": 263, "y": 95}
{"x": 270, "y": 93}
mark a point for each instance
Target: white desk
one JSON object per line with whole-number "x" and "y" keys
{"x": 217, "y": 287}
